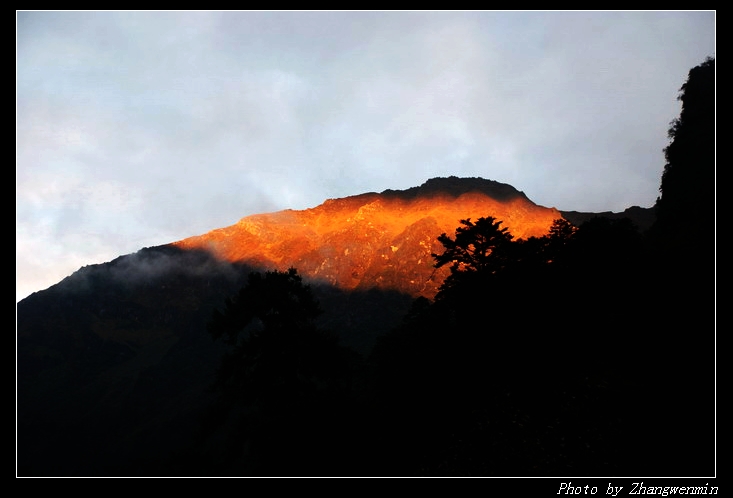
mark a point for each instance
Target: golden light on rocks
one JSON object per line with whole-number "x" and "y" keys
{"x": 369, "y": 240}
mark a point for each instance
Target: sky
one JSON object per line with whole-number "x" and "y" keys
{"x": 139, "y": 128}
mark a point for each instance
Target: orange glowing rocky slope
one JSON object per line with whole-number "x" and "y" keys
{"x": 374, "y": 240}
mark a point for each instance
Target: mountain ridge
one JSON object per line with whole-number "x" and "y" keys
{"x": 117, "y": 353}
{"x": 383, "y": 240}
{"x": 448, "y": 188}
{"x": 114, "y": 363}
{"x": 455, "y": 186}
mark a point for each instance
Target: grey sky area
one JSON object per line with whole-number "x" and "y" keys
{"x": 135, "y": 129}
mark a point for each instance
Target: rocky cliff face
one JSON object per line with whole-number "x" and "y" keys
{"x": 374, "y": 240}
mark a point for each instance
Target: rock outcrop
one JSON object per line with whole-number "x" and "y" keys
{"x": 374, "y": 240}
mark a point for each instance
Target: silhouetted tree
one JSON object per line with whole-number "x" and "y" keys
{"x": 685, "y": 282}
{"x": 479, "y": 250}
{"x": 559, "y": 236}
{"x": 278, "y": 302}
{"x": 687, "y": 188}
{"x": 532, "y": 258}
{"x": 506, "y": 369}
{"x": 476, "y": 247}
{"x": 287, "y": 379}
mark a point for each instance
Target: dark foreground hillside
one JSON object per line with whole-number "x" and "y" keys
{"x": 589, "y": 351}
{"x": 558, "y": 361}
{"x": 115, "y": 366}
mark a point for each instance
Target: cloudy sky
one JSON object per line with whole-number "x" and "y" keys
{"x": 135, "y": 129}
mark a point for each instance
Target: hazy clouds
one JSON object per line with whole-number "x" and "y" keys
{"x": 136, "y": 129}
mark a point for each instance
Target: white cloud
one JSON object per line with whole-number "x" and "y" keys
{"x": 140, "y": 128}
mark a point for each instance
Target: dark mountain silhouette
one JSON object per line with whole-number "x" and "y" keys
{"x": 115, "y": 367}
{"x": 108, "y": 356}
{"x": 113, "y": 361}
{"x": 642, "y": 218}
{"x": 549, "y": 354}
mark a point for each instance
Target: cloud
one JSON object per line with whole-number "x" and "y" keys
{"x": 140, "y": 128}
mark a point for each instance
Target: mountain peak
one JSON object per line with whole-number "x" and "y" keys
{"x": 454, "y": 186}
{"x": 375, "y": 240}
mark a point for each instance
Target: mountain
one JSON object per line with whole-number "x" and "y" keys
{"x": 642, "y": 218}
{"x": 558, "y": 367}
{"x": 114, "y": 363}
{"x": 374, "y": 240}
